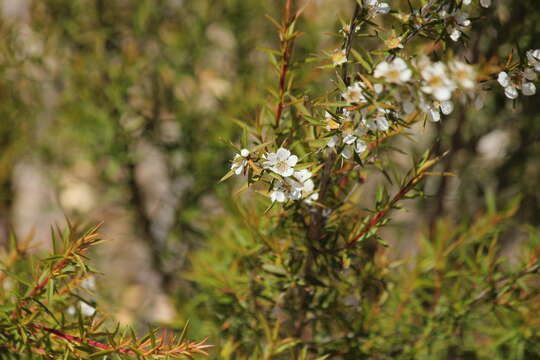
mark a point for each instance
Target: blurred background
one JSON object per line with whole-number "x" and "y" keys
{"x": 120, "y": 111}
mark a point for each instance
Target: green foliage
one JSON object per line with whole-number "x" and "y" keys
{"x": 47, "y": 309}
{"x": 415, "y": 248}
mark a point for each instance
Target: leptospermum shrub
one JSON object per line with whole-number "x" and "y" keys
{"x": 48, "y": 308}
{"x": 313, "y": 278}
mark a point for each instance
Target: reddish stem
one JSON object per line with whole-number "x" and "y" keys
{"x": 382, "y": 213}
{"x": 93, "y": 343}
{"x": 286, "y": 45}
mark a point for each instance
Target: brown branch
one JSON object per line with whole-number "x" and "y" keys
{"x": 380, "y": 215}
{"x": 348, "y": 42}
{"x": 287, "y": 42}
{"x": 317, "y": 221}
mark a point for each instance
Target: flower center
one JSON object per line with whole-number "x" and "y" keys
{"x": 282, "y": 166}
{"x": 355, "y": 94}
{"x": 436, "y": 81}
{"x": 393, "y": 75}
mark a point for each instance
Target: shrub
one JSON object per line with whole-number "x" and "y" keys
{"x": 47, "y": 308}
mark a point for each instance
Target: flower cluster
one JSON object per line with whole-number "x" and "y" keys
{"x": 296, "y": 187}
{"x": 515, "y": 80}
{"x": 376, "y": 7}
{"x": 457, "y": 21}
{"x": 291, "y": 184}
{"x": 483, "y": 3}
{"x": 240, "y": 161}
{"x": 393, "y": 91}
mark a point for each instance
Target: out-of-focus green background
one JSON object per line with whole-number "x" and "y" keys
{"x": 120, "y": 111}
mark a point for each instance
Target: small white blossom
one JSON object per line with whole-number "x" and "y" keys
{"x": 298, "y": 186}
{"x": 349, "y": 139}
{"x": 334, "y": 140}
{"x": 437, "y": 83}
{"x": 278, "y": 193}
{"x": 528, "y": 88}
{"x": 460, "y": 21}
{"x": 86, "y": 310}
{"x": 339, "y": 57}
{"x": 464, "y": 74}
{"x": 89, "y": 283}
{"x": 530, "y": 75}
{"x": 447, "y": 107}
{"x": 433, "y": 114}
{"x": 281, "y": 162}
{"x": 360, "y": 146}
{"x": 408, "y": 107}
{"x": 396, "y": 71}
{"x": 379, "y": 122}
{"x": 434, "y": 110}
{"x": 240, "y": 161}
{"x": 503, "y": 79}
{"x": 483, "y": 3}
{"x": 511, "y": 86}
{"x": 377, "y": 7}
{"x": 354, "y": 94}
{"x": 533, "y": 56}
{"x": 331, "y": 124}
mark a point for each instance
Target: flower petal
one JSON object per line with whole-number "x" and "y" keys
{"x": 283, "y": 154}
{"x": 292, "y": 160}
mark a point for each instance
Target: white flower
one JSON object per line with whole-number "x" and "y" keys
{"x": 354, "y": 94}
{"x": 309, "y": 192}
{"x": 331, "y": 124}
{"x": 240, "y": 161}
{"x": 334, "y": 140}
{"x": 447, "y": 107}
{"x": 511, "y": 92}
{"x": 301, "y": 185}
{"x": 379, "y": 88}
{"x": 360, "y": 146}
{"x": 437, "y": 82}
{"x": 278, "y": 193}
{"x": 511, "y": 86}
{"x": 302, "y": 175}
{"x": 339, "y": 57}
{"x": 464, "y": 74}
{"x": 528, "y": 88}
{"x": 379, "y": 122}
{"x": 89, "y": 283}
{"x": 281, "y": 162}
{"x": 349, "y": 139}
{"x": 533, "y": 56}
{"x": 396, "y": 71}
{"x": 461, "y": 21}
{"x": 376, "y": 7}
{"x": 347, "y": 152}
{"x": 483, "y": 3}
{"x": 503, "y": 79}
{"x": 295, "y": 187}
{"x": 433, "y": 114}
{"x": 86, "y": 310}
{"x": 434, "y": 110}
{"x": 408, "y": 106}
{"x": 353, "y": 143}
{"x": 529, "y": 74}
